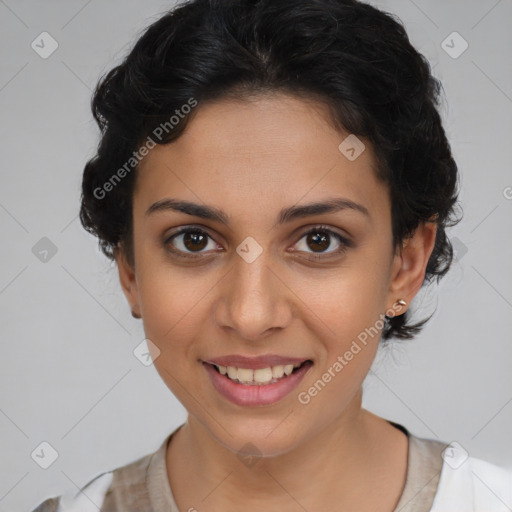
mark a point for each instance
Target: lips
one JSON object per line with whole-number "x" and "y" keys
{"x": 258, "y": 380}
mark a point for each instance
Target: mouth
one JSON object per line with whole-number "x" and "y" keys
{"x": 259, "y": 376}
{"x": 260, "y": 386}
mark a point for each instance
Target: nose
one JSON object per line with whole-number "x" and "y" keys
{"x": 253, "y": 300}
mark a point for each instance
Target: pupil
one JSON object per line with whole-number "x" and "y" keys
{"x": 196, "y": 240}
{"x": 319, "y": 238}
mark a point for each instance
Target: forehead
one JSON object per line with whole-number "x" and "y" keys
{"x": 257, "y": 153}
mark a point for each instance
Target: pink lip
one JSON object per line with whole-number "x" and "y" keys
{"x": 255, "y": 363}
{"x": 255, "y": 395}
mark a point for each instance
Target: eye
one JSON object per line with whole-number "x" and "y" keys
{"x": 187, "y": 241}
{"x": 319, "y": 238}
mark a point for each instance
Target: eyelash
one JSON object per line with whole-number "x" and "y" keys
{"x": 345, "y": 243}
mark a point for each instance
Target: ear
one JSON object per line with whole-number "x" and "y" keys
{"x": 128, "y": 281}
{"x": 410, "y": 264}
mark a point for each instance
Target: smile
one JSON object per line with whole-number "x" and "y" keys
{"x": 256, "y": 386}
{"x": 259, "y": 377}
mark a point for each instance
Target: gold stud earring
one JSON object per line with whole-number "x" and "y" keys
{"x": 399, "y": 302}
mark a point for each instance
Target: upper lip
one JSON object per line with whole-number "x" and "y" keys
{"x": 255, "y": 363}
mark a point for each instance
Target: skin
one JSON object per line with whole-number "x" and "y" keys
{"x": 252, "y": 159}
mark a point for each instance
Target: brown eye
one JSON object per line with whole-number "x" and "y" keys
{"x": 194, "y": 241}
{"x": 188, "y": 241}
{"x": 319, "y": 239}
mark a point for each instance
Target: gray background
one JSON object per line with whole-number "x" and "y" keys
{"x": 68, "y": 374}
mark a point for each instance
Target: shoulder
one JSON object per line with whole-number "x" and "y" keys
{"x": 468, "y": 483}
{"x": 456, "y": 480}
{"x": 122, "y": 489}
{"x": 130, "y": 488}
{"x": 89, "y": 498}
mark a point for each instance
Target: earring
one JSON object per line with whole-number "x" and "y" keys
{"x": 399, "y": 302}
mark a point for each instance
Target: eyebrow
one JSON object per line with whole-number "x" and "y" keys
{"x": 285, "y": 215}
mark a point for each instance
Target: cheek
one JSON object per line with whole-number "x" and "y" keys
{"x": 346, "y": 312}
{"x": 349, "y": 300}
{"x": 350, "y": 333}
{"x": 172, "y": 312}
{"x": 172, "y": 306}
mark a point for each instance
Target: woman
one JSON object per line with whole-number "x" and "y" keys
{"x": 274, "y": 182}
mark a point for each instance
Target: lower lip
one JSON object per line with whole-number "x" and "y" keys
{"x": 254, "y": 395}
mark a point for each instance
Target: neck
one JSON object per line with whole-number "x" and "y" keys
{"x": 348, "y": 458}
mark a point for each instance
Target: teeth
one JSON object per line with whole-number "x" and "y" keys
{"x": 288, "y": 369}
{"x": 245, "y": 374}
{"x": 277, "y": 371}
{"x": 263, "y": 375}
{"x": 260, "y": 376}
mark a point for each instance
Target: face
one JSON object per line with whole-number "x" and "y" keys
{"x": 265, "y": 286}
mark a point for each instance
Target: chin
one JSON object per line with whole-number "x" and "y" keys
{"x": 259, "y": 437}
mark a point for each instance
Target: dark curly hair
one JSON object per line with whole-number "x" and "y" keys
{"x": 356, "y": 59}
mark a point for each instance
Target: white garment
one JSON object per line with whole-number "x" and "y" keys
{"x": 89, "y": 498}
{"x": 469, "y": 484}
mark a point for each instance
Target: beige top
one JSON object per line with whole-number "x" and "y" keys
{"x": 143, "y": 485}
